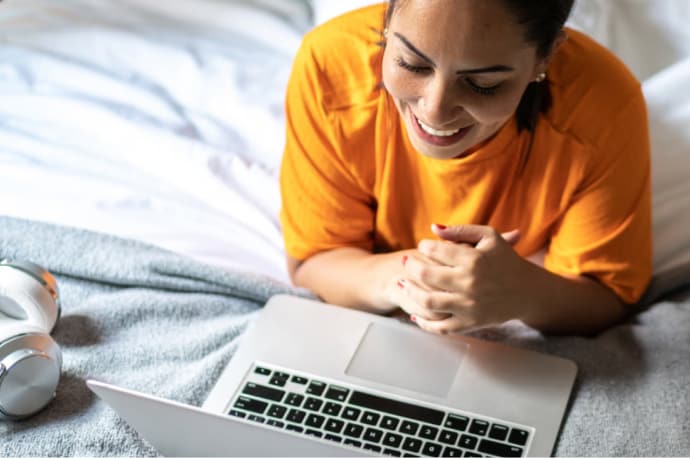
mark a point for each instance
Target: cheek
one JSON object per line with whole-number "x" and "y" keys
{"x": 398, "y": 82}
{"x": 493, "y": 109}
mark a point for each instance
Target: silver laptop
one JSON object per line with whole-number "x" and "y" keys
{"x": 311, "y": 379}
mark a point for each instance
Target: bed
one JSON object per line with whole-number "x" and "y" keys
{"x": 140, "y": 143}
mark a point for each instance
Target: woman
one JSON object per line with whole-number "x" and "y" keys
{"x": 468, "y": 161}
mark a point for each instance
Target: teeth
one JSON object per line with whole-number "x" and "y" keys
{"x": 436, "y": 132}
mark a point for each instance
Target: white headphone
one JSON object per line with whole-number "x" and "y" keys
{"x": 30, "y": 360}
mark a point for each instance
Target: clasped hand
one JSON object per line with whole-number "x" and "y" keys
{"x": 468, "y": 279}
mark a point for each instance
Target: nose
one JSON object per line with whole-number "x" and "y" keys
{"x": 440, "y": 103}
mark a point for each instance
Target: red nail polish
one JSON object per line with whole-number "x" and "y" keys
{"x": 404, "y": 260}
{"x": 413, "y": 318}
{"x": 401, "y": 284}
{"x": 440, "y": 226}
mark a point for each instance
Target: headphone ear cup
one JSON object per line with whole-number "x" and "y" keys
{"x": 31, "y": 289}
{"x": 30, "y": 360}
{"x": 30, "y": 363}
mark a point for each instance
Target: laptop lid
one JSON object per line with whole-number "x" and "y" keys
{"x": 180, "y": 430}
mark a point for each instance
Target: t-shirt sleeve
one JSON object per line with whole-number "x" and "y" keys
{"x": 325, "y": 203}
{"x": 605, "y": 233}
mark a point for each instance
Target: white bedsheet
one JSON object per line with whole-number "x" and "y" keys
{"x": 159, "y": 121}
{"x": 162, "y": 121}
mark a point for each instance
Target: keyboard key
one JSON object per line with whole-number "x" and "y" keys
{"x": 392, "y": 440}
{"x": 428, "y": 432}
{"x": 262, "y": 370}
{"x": 372, "y": 447}
{"x": 456, "y": 422}
{"x": 498, "y": 449}
{"x": 408, "y": 427}
{"x": 353, "y": 430}
{"x": 351, "y": 413}
{"x": 277, "y": 381}
{"x": 334, "y": 425}
{"x": 448, "y": 437}
{"x": 315, "y": 420}
{"x": 431, "y": 450}
{"x": 313, "y": 404}
{"x": 412, "y": 444}
{"x": 316, "y": 388}
{"x": 294, "y": 399}
{"x": 370, "y": 418}
{"x": 276, "y": 411}
{"x": 332, "y": 408}
{"x": 275, "y": 423}
{"x": 392, "y": 453}
{"x": 467, "y": 441}
{"x": 398, "y": 408}
{"x": 472, "y": 454}
{"x": 352, "y": 442}
{"x": 261, "y": 391}
{"x": 296, "y": 428}
{"x": 298, "y": 380}
{"x": 452, "y": 452}
{"x": 518, "y": 437}
{"x": 314, "y": 433}
{"x": 256, "y": 418}
{"x": 296, "y": 416}
{"x": 332, "y": 437}
{"x": 389, "y": 423}
{"x": 479, "y": 427}
{"x": 237, "y": 413}
{"x": 337, "y": 393}
{"x": 498, "y": 432}
{"x": 373, "y": 435}
{"x": 251, "y": 405}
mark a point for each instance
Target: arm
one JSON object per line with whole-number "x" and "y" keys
{"x": 478, "y": 278}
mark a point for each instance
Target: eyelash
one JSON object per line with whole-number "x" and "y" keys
{"x": 483, "y": 90}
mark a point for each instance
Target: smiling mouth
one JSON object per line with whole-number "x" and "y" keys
{"x": 436, "y": 137}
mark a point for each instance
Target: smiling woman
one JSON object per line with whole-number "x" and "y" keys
{"x": 484, "y": 165}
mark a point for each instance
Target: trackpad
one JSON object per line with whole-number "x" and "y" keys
{"x": 407, "y": 359}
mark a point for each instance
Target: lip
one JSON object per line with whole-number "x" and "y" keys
{"x": 439, "y": 141}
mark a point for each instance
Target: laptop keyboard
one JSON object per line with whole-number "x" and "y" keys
{"x": 345, "y": 415}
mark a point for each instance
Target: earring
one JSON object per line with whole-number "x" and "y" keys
{"x": 541, "y": 77}
{"x": 385, "y": 32}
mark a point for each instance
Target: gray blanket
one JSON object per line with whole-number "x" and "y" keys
{"x": 148, "y": 319}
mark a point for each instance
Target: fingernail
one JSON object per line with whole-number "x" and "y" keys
{"x": 404, "y": 259}
{"x": 440, "y": 226}
{"x": 413, "y": 318}
{"x": 401, "y": 284}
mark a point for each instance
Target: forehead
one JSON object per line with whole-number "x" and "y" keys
{"x": 461, "y": 24}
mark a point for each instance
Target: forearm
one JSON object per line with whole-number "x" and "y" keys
{"x": 351, "y": 277}
{"x": 560, "y": 305}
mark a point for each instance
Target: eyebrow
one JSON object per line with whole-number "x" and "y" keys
{"x": 489, "y": 69}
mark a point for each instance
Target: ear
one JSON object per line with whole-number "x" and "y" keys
{"x": 543, "y": 64}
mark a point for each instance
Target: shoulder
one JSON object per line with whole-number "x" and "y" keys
{"x": 346, "y": 52}
{"x": 591, "y": 88}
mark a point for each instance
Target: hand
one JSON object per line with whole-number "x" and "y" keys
{"x": 469, "y": 280}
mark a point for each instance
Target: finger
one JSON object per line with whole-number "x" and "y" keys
{"x": 445, "y": 326}
{"x": 476, "y": 235}
{"x": 447, "y": 253}
{"x": 438, "y": 275}
{"x": 410, "y": 291}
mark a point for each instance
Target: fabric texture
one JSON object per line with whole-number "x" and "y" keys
{"x": 134, "y": 315}
{"x": 153, "y": 321}
{"x": 350, "y": 176}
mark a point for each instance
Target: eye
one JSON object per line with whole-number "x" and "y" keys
{"x": 409, "y": 67}
{"x": 483, "y": 90}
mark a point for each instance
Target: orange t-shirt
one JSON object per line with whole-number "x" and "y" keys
{"x": 350, "y": 176}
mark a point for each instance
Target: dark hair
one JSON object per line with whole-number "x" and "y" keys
{"x": 543, "y": 21}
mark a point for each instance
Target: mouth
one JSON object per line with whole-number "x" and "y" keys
{"x": 441, "y": 138}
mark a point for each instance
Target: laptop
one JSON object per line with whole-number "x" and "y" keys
{"x": 312, "y": 379}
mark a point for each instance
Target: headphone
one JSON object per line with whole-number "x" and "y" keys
{"x": 30, "y": 360}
